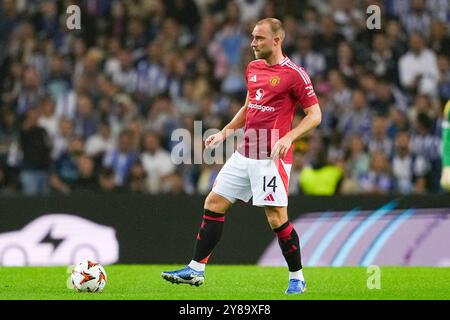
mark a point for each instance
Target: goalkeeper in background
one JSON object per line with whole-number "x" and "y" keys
{"x": 445, "y": 178}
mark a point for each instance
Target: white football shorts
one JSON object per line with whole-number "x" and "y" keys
{"x": 242, "y": 178}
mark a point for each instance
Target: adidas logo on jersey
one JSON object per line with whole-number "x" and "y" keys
{"x": 269, "y": 198}
{"x": 253, "y": 78}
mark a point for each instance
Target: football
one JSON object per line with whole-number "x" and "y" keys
{"x": 88, "y": 276}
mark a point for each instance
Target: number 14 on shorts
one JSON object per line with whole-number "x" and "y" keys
{"x": 269, "y": 182}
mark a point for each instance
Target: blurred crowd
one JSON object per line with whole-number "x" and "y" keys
{"x": 92, "y": 110}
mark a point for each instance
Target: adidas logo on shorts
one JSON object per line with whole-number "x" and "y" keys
{"x": 269, "y": 198}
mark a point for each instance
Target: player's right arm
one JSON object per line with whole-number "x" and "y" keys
{"x": 237, "y": 122}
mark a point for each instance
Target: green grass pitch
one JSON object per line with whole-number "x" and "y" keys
{"x": 229, "y": 282}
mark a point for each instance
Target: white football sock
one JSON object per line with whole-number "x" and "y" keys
{"x": 296, "y": 275}
{"x": 197, "y": 266}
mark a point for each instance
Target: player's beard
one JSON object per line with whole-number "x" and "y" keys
{"x": 263, "y": 54}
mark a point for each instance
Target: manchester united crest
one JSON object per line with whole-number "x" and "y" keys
{"x": 274, "y": 81}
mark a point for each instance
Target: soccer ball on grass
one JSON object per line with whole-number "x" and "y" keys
{"x": 88, "y": 276}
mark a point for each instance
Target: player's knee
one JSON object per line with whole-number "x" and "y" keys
{"x": 275, "y": 221}
{"x": 276, "y": 217}
{"x": 216, "y": 203}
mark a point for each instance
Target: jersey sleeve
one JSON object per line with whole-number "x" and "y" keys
{"x": 303, "y": 90}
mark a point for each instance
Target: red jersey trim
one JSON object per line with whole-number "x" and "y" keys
{"x": 302, "y": 73}
{"x": 283, "y": 174}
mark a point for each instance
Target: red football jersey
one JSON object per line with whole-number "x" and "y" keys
{"x": 275, "y": 92}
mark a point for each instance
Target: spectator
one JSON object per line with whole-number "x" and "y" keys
{"x": 408, "y": 169}
{"x": 418, "y": 67}
{"x": 170, "y": 36}
{"x": 368, "y": 83}
{"x": 67, "y": 101}
{"x": 310, "y": 22}
{"x": 58, "y": 81}
{"x": 382, "y": 60}
{"x": 78, "y": 49}
{"x": 106, "y": 181}
{"x": 119, "y": 18}
{"x": 387, "y": 96}
{"x": 135, "y": 128}
{"x": 9, "y": 151}
{"x": 345, "y": 60}
{"x": 312, "y": 61}
{"x": 423, "y": 104}
{"x": 121, "y": 159}
{"x": 9, "y": 19}
{"x": 65, "y": 170}
{"x": 8, "y": 131}
{"x": 347, "y": 16}
{"x": 46, "y": 20}
{"x": 208, "y": 112}
{"x": 378, "y": 179}
{"x": 358, "y": 119}
{"x": 439, "y": 39}
{"x": 31, "y": 92}
{"x": 151, "y": 75}
{"x": 425, "y": 143}
{"x": 123, "y": 110}
{"x": 161, "y": 116}
{"x": 85, "y": 121}
{"x": 187, "y": 104}
{"x": 341, "y": 93}
{"x": 439, "y": 10}
{"x": 87, "y": 179}
{"x": 444, "y": 77}
{"x": 208, "y": 174}
{"x": 48, "y": 118}
{"x": 291, "y": 32}
{"x": 250, "y": 9}
{"x": 10, "y": 85}
{"x": 185, "y": 12}
{"x": 322, "y": 178}
{"x": 328, "y": 39}
{"x": 174, "y": 184}
{"x": 379, "y": 140}
{"x": 357, "y": 163}
{"x": 90, "y": 66}
{"x": 101, "y": 142}
{"x": 396, "y": 37}
{"x": 60, "y": 142}
{"x": 228, "y": 42}
{"x": 137, "y": 181}
{"x": 398, "y": 122}
{"x": 156, "y": 162}
{"x": 136, "y": 38}
{"x": 35, "y": 146}
{"x": 176, "y": 73}
{"x": 417, "y": 19}
{"x": 125, "y": 76}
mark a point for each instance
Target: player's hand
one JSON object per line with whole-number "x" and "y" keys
{"x": 281, "y": 147}
{"x": 214, "y": 140}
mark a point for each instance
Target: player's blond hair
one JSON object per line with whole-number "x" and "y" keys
{"x": 276, "y": 26}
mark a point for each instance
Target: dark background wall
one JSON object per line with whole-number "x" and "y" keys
{"x": 162, "y": 229}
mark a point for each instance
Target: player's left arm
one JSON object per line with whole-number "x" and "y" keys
{"x": 313, "y": 117}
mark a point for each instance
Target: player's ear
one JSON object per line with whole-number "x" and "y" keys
{"x": 276, "y": 40}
